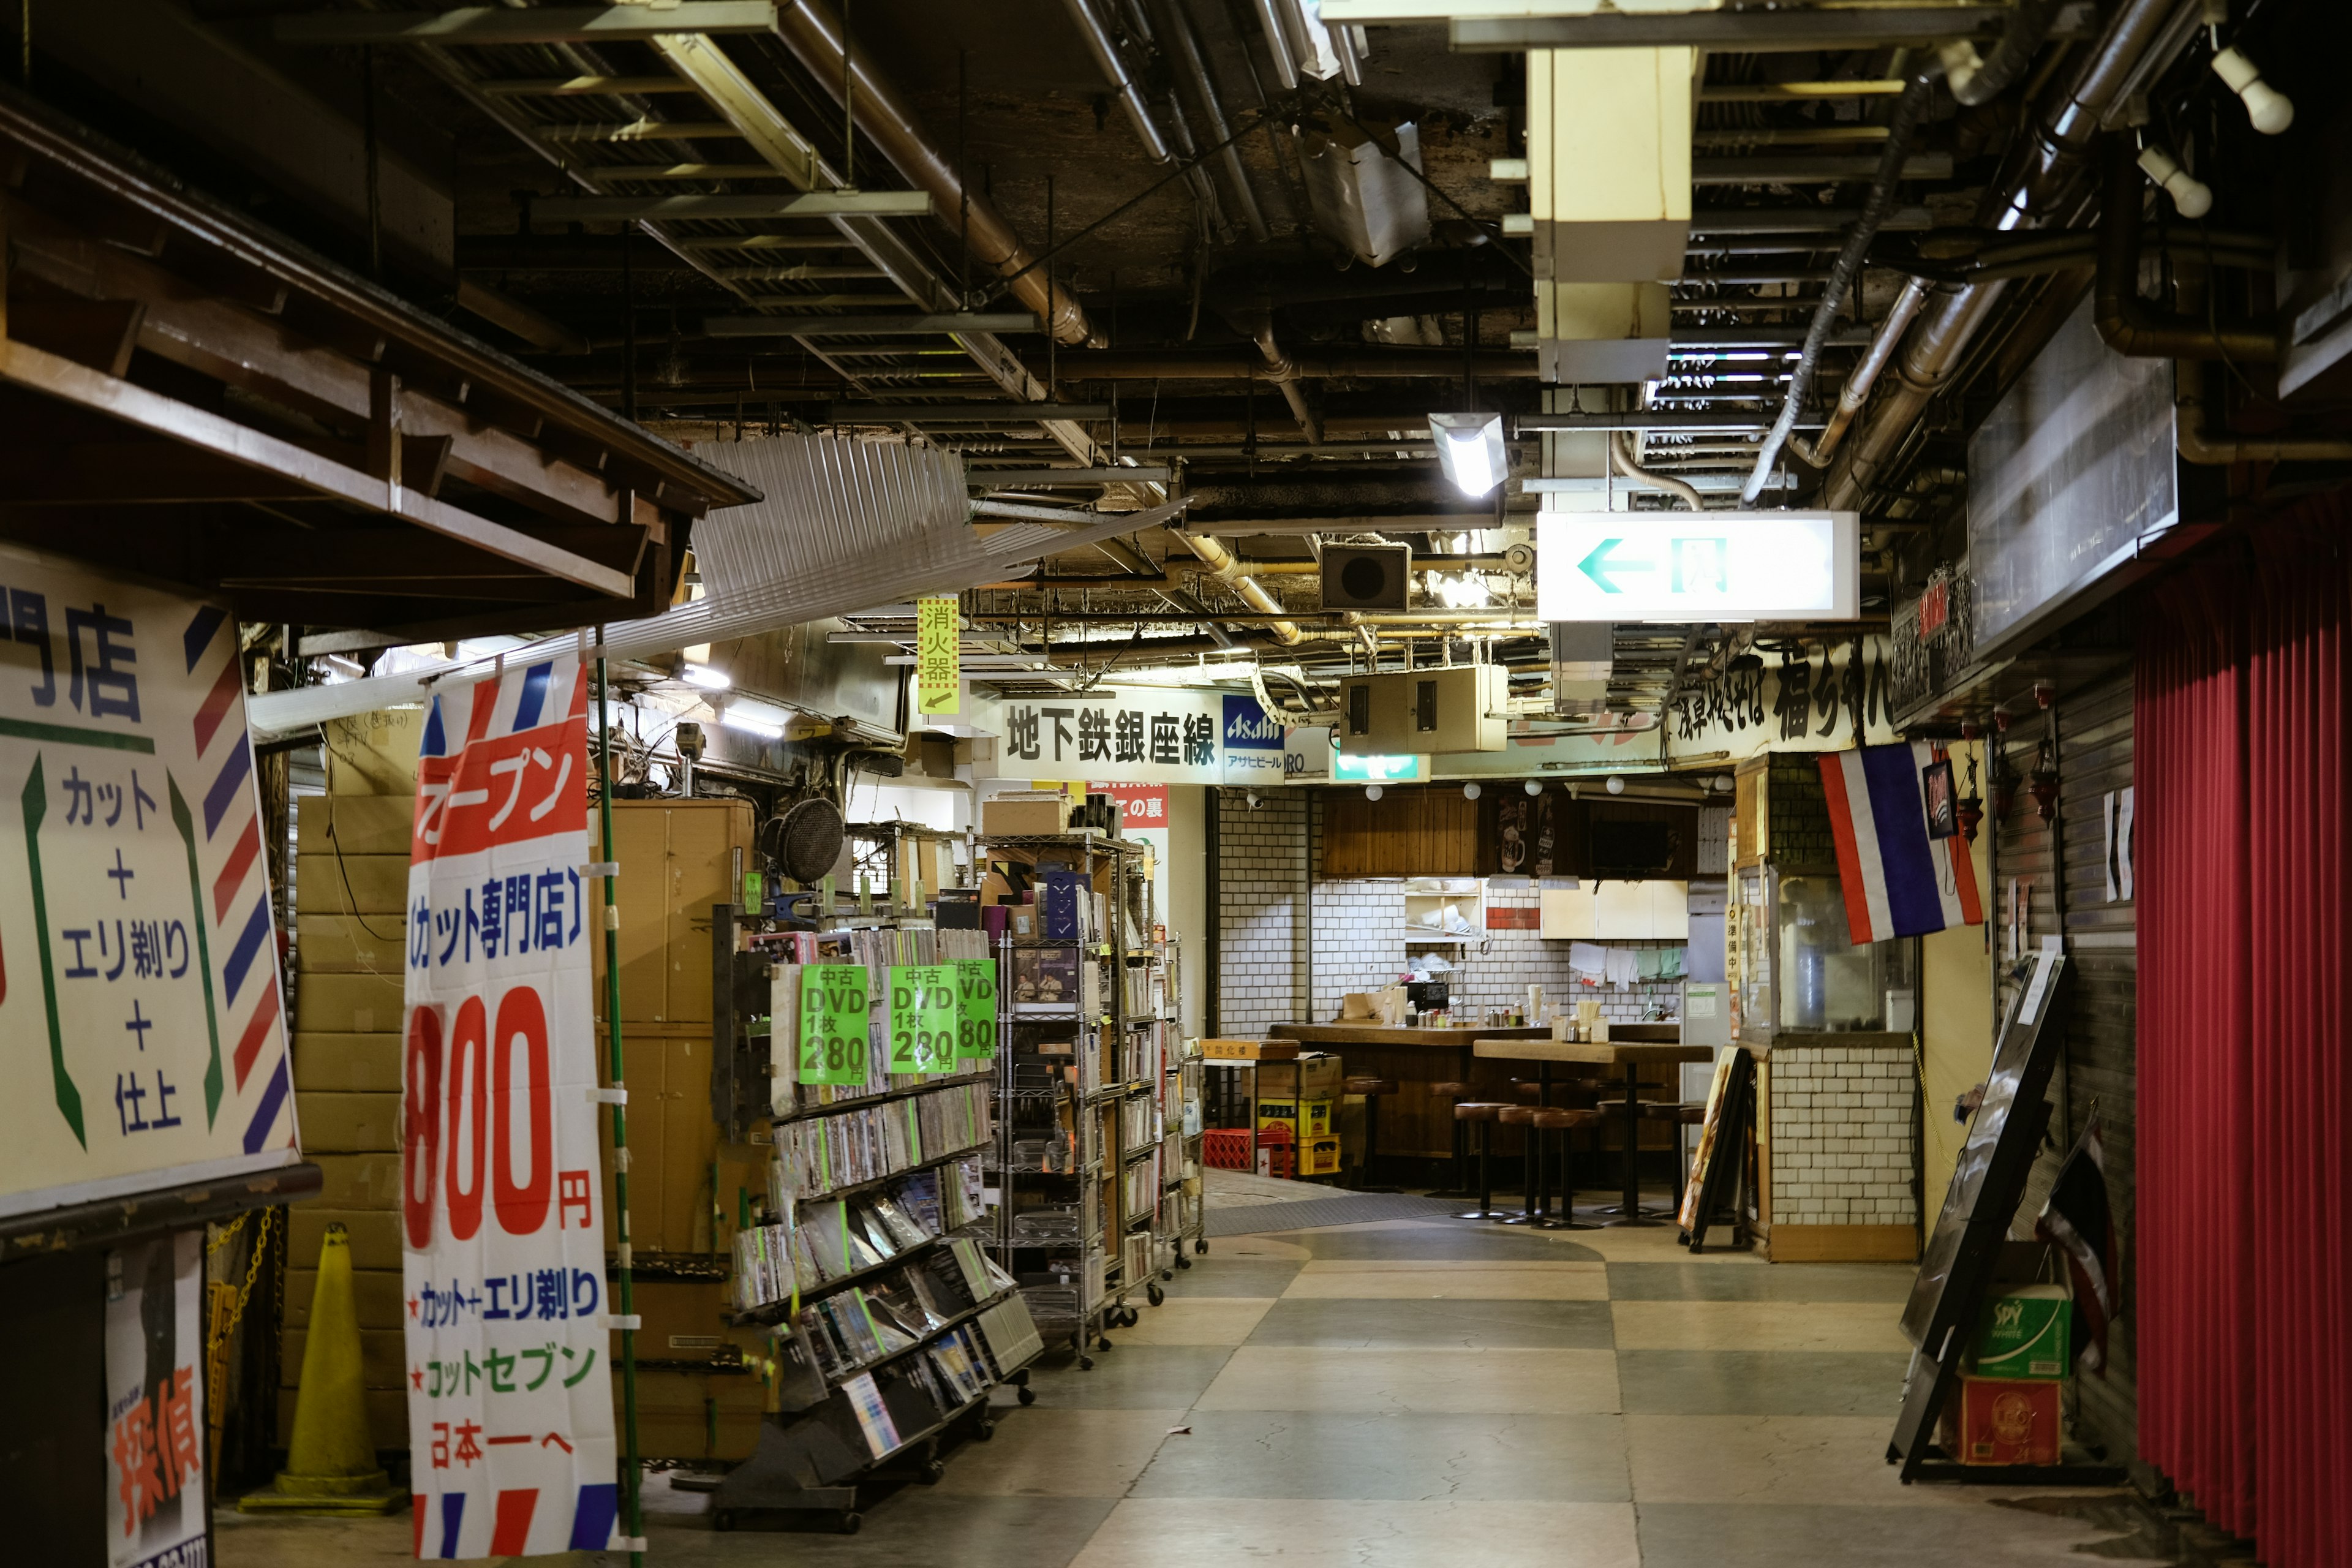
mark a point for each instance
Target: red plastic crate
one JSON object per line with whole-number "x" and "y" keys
{"x": 1281, "y": 1153}
{"x": 1234, "y": 1149}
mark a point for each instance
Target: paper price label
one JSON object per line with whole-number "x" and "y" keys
{"x": 833, "y": 1023}
{"x": 922, "y": 1017}
{"x": 975, "y": 1009}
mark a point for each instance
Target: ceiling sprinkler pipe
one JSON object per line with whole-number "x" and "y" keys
{"x": 1105, "y": 50}
{"x": 1183, "y": 49}
{"x": 2129, "y": 324}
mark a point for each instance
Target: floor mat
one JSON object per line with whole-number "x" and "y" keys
{"x": 1341, "y": 1208}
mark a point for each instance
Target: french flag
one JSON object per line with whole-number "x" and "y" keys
{"x": 1897, "y": 880}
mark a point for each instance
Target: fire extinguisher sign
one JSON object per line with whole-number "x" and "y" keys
{"x": 509, "y": 1390}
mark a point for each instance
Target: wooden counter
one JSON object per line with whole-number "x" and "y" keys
{"x": 1336, "y": 1034}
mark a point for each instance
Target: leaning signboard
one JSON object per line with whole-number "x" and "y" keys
{"x": 138, "y": 993}
{"x": 509, "y": 1390}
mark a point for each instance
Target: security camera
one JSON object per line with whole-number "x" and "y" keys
{"x": 1252, "y": 797}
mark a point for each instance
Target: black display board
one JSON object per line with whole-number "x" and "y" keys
{"x": 1724, "y": 1155}
{"x": 1957, "y": 1270}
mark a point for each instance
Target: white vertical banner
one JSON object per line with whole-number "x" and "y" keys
{"x": 509, "y": 1390}
{"x": 155, "y": 1403}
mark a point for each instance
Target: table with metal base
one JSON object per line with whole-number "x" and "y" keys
{"x": 1631, "y": 1055}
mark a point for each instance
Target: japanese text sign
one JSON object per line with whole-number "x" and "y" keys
{"x": 833, "y": 1023}
{"x": 922, "y": 1017}
{"x": 975, "y": 1009}
{"x": 1135, "y": 734}
{"x": 509, "y": 1390}
{"x": 155, "y": 1403}
{"x": 939, "y": 663}
{"x": 1699, "y": 566}
{"x": 138, "y": 988}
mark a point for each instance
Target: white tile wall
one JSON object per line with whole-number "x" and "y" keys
{"x": 1844, "y": 1120}
{"x": 1261, "y": 925}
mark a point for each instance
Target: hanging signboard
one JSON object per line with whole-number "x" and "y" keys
{"x": 922, "y": 1017}
{"x": 139, "y": 990}
{"x": 510, "y": 1394}
{"x": 833, "y": 1021}
{"x": 155, "y": 1403}
{"x": 1253, "y": 741}
{"x": 939, "y": 657}
{"x": 1687, "y": 567}
{"x": 1823, "y": 700}
{"x": 1137, "y": 734}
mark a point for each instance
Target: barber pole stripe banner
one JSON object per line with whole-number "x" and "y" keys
{"x": 1896, "y": 881}
{"x": 510, "y": 1386}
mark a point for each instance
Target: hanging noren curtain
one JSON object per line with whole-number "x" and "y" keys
{"x": 2244, "y": 1276}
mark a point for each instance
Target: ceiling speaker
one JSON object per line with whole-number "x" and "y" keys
{"x": 1367, "y": 578}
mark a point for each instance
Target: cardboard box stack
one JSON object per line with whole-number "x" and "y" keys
{"x": 2007, "y": 1410}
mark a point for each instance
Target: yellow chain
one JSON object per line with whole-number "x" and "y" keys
{"x": 228, "y": 1306}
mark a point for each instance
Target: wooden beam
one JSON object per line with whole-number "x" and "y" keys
{"x": 79, "y": 386}
{"x": 863, "y": 326}
{"x": 99, "y": 333}
{"x": 542, "y": 332}
{"x": 492, "y": 25}
{"x": 587, "y": 86}
{"x": 133, "y": 473}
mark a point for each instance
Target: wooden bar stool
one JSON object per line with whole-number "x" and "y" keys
{"x": 1372, "y": 1088}
{"x": 1482, "y": 1112}
{"x": 1679, "y": 1117}
{"x": 1525, "y": 1116}
{"x": 1455, "y": 1093}
{"x": 1563, "y": 1121}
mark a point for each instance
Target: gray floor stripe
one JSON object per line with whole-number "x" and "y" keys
{"x": 1346, "y": 1208}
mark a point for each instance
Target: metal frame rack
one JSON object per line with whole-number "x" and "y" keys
{"x": 1070, "y": 1227}
{"x": 813, "y": 1455}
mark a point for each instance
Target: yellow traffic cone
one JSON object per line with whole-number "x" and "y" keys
{"x": 331, "y": 1459}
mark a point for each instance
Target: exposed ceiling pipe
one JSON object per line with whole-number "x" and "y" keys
{"x": 2197, "y": 443}
{"x": 1097, "y": 36}
{"x": 883, "y": 113}
{"x": 2046, "y": 164}
{"x": 2128, "y": 323}
{"x": 1286, "y": 374}
{"x": 1182, "y": 48}
{"x": 1227, "y": 364}
{"x": 1866, "y": 376}
{"x": 1620, "y": 453}
{"x": 1228, "y": 567}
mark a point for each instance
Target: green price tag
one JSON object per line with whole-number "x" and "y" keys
{"x": 833, "y": 1023}
{"x": 922, "y": 1017}
{"x": 975, "y": 1009}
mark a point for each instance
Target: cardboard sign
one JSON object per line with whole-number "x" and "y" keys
{"x": 833, "y": 1023}
{"x": 975, "y": 1009}
{"x": 922, "y": 1017}
{"x": 155, "y": 1403}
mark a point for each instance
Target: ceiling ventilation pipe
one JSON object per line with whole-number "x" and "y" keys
{"x": 813, "y": 33}
{"x": 2129, "y": 324}
{"x": 1973, "y": 82}
{"x": 2052, "y": 157}
{"x": 1183, "y": 50}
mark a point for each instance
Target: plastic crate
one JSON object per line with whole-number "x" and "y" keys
{"x": 1278, "y": 1154}
{"x": 1229, "y": 1149}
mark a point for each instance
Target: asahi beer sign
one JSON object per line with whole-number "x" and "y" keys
{"x": 1253, "y": 742}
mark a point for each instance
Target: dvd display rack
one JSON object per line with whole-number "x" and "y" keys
{"x": 859, "y": 1243}
{"x": 1080, "y": 1162}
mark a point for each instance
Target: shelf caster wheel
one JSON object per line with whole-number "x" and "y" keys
{"x": 1201, "y": 1245}
{"x": 723, "y": 1520}
{"x": 1156, "y": 1295}
{"x": 1182, "y": 1262}
{"x": 1170, "y": 1273}
{"x": 1134, "y": 1317}
{"x": 1028, "y": 1395}
{"x": 1102, "y": 1343}
{"x": 932, "y": 1473}
{"x": 985, "y": 1432}
{"x": 849, "y": 1523}
{"x": 1085, "y": 1364}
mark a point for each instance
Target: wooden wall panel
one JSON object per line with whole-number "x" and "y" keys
{"x": 1407, "y": 832}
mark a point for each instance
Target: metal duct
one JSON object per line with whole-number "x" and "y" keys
{"x": 2044, "y": 170}
{"x": 1182, "y": 48}
{"x": 888, "y": 120}
{"x": 1228, "y": 567}
{"x": 845, "y": 524}
{"x": 1105, "y": 50}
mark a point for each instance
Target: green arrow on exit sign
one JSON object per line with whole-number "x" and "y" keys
{"x": 1602, "y": 564}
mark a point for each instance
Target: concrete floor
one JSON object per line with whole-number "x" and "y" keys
{"x": 1413, "y": 1393}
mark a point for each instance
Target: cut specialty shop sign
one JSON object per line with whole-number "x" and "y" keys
{"x": 509, "y": 1387}
{"x": 139, "y": 995}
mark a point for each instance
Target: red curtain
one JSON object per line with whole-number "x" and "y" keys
{"x": 2244, "y": 1274}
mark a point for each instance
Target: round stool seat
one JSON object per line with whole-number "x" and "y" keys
{"x": 1369, "y": 1086}
{"x": 1449, "y": 1090}
{"x": 1617, "y": 1106}
{"x": 1680, "y": 1115}
{"x": 1559, "y": 1118}
{"x": 1516, "y": 1115}
{"x": 1527, "y": 1090}
{"x": 1476, "y": 1111}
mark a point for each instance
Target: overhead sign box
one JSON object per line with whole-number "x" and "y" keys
{"x": 1687, "y": 566}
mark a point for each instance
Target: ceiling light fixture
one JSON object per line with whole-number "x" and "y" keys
{"x": 703, "y": 676}
{"x": 1470, "y": 792}
{"x": 1470, "y": 450}
{"x": 735, "y": 719}
{"x": 1616, "y": 784}
{"x": 1374, "y": 792}
{"x": 1534, "y": 786}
